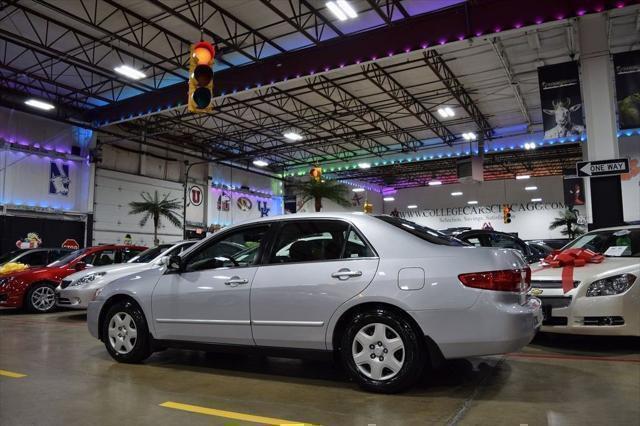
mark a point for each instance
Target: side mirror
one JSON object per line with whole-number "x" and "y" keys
{"x": 80, "y": 266}
{"x": 174, "y": 263}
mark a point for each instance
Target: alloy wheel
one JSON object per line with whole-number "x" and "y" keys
{"x": 43, "y": 298}
{"x": 123, "y": 333}
{"x": 378, "y": 351}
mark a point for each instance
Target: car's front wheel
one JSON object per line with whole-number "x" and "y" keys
{"x": 41, "y": 298}
{"x": 125, "y": 333}
{"x": 382, "y": 351}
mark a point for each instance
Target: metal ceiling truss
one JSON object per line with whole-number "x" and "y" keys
{"x": 544, "y": 162}
{"x": 307, "y": 22}
{"x": 386, "y": 9}
{"x": 390, "y": 86}
{"x": 330, "y": 90}
{"x": 439, "y": 67}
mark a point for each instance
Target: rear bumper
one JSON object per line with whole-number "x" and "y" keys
{"x": 489, "y": 327}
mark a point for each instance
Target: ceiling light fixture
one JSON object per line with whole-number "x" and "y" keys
{"x": 337, "y": 12}
{"x": 472, "y": 202}
{"x": 520, "y": 177}
{"x": 358, "y": 189}
{"x": 292, "y": 135}
{"x": 530, "y": 145}
{"x": 130, "y": 72}
{"x": 341, "y": 9}
{"x": 446, "y": 112}
{"x": 469, "y": 136}
{"x": 435, "y": 183}
{"x": 260, "y": 163}
{"x": 364, "y": 165}
{"x": 456, "y": 194}
{"x": 412, "y": 206}
{"x": 39, "y": 104}
{"x": 536, "y": 200}
{"x": 346, "y": 8}
{"x": 530, "y": 188}
{"x": 388, "y": 199}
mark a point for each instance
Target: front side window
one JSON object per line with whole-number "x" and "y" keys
{"x": 68, "y": 258}
{"x": 101, "y": 258}
{"x": 317, "y": 240}
{"x": 235, "y": 249}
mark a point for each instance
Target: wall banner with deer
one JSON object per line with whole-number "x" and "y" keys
{"x": 561, "y": 101}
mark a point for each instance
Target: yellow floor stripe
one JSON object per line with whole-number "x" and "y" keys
{"x": 230, "y": 414}
{"x": 11, "y": 374}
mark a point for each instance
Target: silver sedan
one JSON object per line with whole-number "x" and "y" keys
{"x": 78, "y": 289}
{"x": 383, "y": 294}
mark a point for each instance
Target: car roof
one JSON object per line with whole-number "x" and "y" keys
{"x": 617, "y": 228}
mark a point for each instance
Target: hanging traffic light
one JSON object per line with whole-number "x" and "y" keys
{"x": 506, "y": 213}
{"x": 316, "y": 173}
{"x": 201, "y": 77}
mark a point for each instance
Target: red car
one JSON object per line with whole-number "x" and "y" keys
{"x": 34, "y": 288}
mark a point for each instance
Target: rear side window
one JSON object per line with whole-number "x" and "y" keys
{"x": 422, "y": 232}
{"x": 317, "y": 240}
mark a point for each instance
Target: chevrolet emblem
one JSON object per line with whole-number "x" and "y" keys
{"x": 536, "y": 291}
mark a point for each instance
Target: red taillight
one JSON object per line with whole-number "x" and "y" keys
{"x": 517, "y": 280}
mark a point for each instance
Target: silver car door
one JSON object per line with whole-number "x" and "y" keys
{"x": 208, "y": 301}
{"x": 314, "y": 267}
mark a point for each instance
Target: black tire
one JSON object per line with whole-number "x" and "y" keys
{"x": 414, "y": 354}
{"x": 140, "y": 347}
{"x": 34, "y": 301}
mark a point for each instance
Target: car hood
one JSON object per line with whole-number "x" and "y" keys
{"x": 119, "y": 269}
{"x": 610, "y": 266}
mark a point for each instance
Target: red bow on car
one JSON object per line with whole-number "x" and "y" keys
{"x": 568, "y": 259}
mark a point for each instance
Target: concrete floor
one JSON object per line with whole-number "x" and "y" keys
{"x": 71, "y": 380}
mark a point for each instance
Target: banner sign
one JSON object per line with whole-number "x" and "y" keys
{"x": 561, "y": 100}
{"x": 530, "y": 220}
{"x": 627, "y": 75}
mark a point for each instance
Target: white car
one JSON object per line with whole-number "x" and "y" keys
{"x": 605, "y": 297}
{"x": 78, "y": 289}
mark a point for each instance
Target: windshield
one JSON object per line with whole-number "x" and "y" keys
{"x": 150, "y": 254}
{"x": 68, "y": 258}
{"x": 616, "y": 243}
{"x": 9, "y": 256}
{"x": 423, "y": 232}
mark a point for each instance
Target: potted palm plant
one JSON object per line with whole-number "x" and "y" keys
{"x": 156, "y": 208}
{"x": 316, "y": 190}
{"x": 568, "y": 221}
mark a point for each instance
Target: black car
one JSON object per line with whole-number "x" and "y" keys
{"x": 34, "y": 257}
{"x": 486, "y": 238}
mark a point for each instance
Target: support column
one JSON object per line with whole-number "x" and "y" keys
{"x": 603, "y": 195}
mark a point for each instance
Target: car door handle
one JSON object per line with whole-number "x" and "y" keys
{"x": 236, "y": 281}
{"x": 344, "y": 274}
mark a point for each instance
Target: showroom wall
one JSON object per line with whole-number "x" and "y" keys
{"x": 45, "y": 182}
{"x": 438, "y": 209}
{"x": 630, "y": 148}
{"x": 238, "y": 195}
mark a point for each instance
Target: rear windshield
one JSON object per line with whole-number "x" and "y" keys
{"x": 422, "y": 232}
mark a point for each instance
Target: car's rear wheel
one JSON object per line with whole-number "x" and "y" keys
{"x": 41, "y": 298}
{"x": 125, "y": 333}
{"x": 382, "y": 351}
